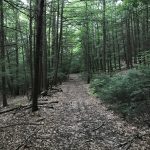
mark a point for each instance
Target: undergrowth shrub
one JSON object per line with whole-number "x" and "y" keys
{"x": 98, "y": 82}
{"x": 127, "y": 90}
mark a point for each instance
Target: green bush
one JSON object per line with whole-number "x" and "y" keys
{"x": 98, "y": 82}
{"x": 126, "y": 90}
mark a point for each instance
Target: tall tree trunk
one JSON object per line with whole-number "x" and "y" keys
{"x": 38, "y": 52}
{"x": 2, "y": 54}
{"x": 104, "y": 35}
{"x": 49, "y": 38}
{"x": 17, "y": 56}
{"x": 87, "y": 47}
{"x": 53, "y": 36}
{"x": 45, "y": 69}
{"x": 57, "y": 44}
{"x": 30, "y": 45}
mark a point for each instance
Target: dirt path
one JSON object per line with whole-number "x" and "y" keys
{"x": 78, "y": 122}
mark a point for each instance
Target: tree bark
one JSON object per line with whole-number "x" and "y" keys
{"x": 30, "y": 45}
{"x": 2, "y": 54}
{"x": 38, "y": 52}
{"x": 104, "y": 35}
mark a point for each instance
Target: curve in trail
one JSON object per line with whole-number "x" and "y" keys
{"x": 81, "y": 122}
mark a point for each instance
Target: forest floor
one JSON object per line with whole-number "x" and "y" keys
{"x": 69, "y": 120}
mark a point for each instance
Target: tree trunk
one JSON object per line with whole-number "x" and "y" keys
{"x": 38, "y": 52}
{"x": 45, "y": 85}
{"x": 2, "y": 54}
{"x": 30, "y": 45}
{"x": 17, "y": 56}
{"x": 104, "y": 36}
{"x": 57, "y": 44}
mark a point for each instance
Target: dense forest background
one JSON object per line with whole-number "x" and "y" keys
{"x": 42, "y": 42}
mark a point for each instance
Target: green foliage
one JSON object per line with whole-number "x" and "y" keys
{"x": 135, "y": 3}
{"x": 99, "y": 82}
{"x": 76, "y": 64}
{"x": 126, "y": 90}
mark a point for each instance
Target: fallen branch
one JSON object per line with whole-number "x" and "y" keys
{"x": 56, "y": 102}
{"x": 51, "y": 107}
{"x": 16, "y": 108}
{"x": 47, "y": 103}
{"x": 98, "y": 127}
{"x": 43, "y": 103}
{"x": 21, "y": 124}
{"x": 41, "y": 119}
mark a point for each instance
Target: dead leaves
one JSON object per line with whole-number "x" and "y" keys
{"x": 77, "y": 121}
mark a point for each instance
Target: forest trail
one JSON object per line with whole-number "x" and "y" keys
{"x": 78, "y": 122}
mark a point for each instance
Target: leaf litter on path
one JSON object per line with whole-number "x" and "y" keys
{"x": 70, "y": 120}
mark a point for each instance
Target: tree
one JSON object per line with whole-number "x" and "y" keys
{"x": 38, "y": 52}
{"x": 2, "y": 54}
